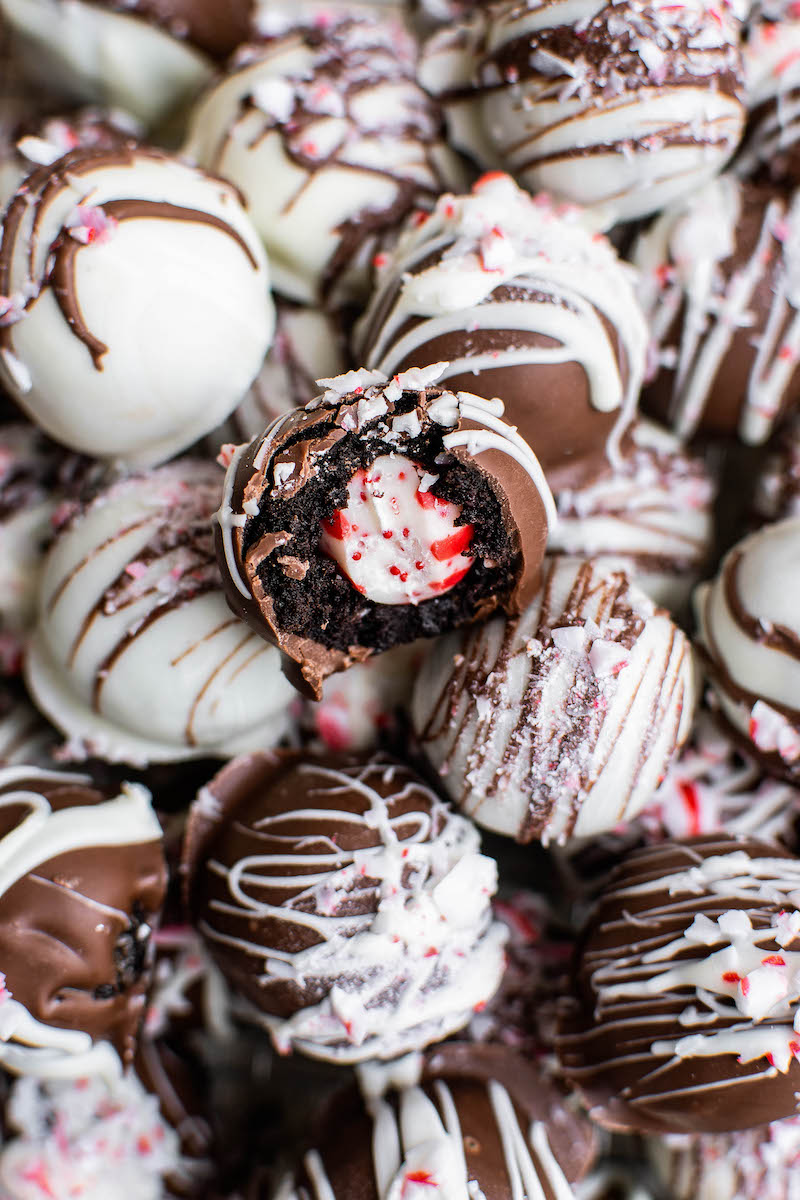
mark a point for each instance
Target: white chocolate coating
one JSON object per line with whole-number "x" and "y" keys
{"x": 750, "y": 627}
{"x": 618, "y": 107}
{"x": 107, "y": 57}
{"x": 564, "y": 720}
{"x": 495, "y": 237}
{"x": 681, "y": 261}
{"x": 772, "y": 80}
{"x": 93, "y": 1138}
{"x": 136, "y": 656}
{"x": 651, "y": 517}
{"x": 25, "y": 736}
{"x": 777, "y": 492}
{"x": 331, "y": 144}
{"x": 133, "y": 373}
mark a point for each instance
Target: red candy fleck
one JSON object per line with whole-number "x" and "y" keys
{"x": 773, "y": 960}
{"x": 337, "y": 526}
{"x": 449, "y": 547}
{"x": 731, "y": 977}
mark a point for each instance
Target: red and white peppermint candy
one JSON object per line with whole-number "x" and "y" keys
{"x": 397, "y": 543}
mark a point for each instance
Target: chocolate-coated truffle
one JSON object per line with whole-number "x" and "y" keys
{"x": 136, "y": 311}
{"x": 125, "y": 53}
{"x": 620, "y": 106}
{"x": 686, "y": 993}
{"x": 651, "y": 515}
{"x": 344, "y": 901}
{"x": 777, "y": 493}
{"x": 721, "y": 287}
{"x": 753, "y": 1164}
{"x": 714, "y": 785}
{"x": 750, "y": 630}
{"x": 136, "y": 657}
{"x": 562, "y": 721}
{"x": 82, "y": 881}
{"x": 525, "y": 304}
{"x": 769, "y": 149}
{"x": 379, "y": 513}
{"x": 481, "y": 1122}
{"x": 332, "y": 142}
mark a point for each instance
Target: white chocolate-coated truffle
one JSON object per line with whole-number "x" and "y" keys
{"x": 136, "y": 656}
{"x": 331, "y": 141}
{"x": 619, "y": 107}
{"x": 564, "y": 720}
{"x": 136, "y": 311}
{"x": 750, "y": 628}
{"x": 109, "y": 58}
{"x": 753, "y": 1164}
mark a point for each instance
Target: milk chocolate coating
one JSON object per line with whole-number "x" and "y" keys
{"x": 296, "y": 475}
{"x": 215, "y": 26}
{"x": 608, "y": 1043}
{"x": 247, "y": 792}
{"x": 463, "y": 1083}
{"x": 75, "y": 930}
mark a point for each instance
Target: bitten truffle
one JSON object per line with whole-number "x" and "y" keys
{"x": 344, "y": 901}
{"x": 619, "y": 106}
{"x": 332, "y": 142}
{"x": 133, "y": 373}
{"x": 525, "y": 304}
{"x": 82, "y": 881}
{"x": 686, "y": 994}
{"x": 562, "y": 721}
{"x": 135, "y": 653}
{"x": 379, "y": 513}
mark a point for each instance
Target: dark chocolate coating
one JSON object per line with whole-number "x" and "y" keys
{"x": 75, "y": 930}
{"x": 214, "y": 26}
{"x": 605, "y": 1042}
{"x": 259, "y": 786}
{"x": 301, "y": 602}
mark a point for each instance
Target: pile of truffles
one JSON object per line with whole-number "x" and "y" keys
{"x": 399, "y": 600}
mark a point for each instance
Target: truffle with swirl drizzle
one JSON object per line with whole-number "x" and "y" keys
{"x": 750, "y": 632}
{"x": 619, "y": 106}
{"x": 562, "y": 721}
{"x": 344, "y": 901}
{"x": 135, "y": 372}
{"x": 526, "y": 305}
{"x": 82, "y": 881}
{"x": 685, "y": 1008}
{"x": 136, "y": 657}
{"x": 720, "y": 283}
{"x": 479, "y": 1122}
{"x": 379, "y": 513}
{"x": 332, "y": 142}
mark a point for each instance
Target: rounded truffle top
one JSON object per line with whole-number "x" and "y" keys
{"x": 82, "y": 879}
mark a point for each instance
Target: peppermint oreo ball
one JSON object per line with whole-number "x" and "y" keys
{"x": 136, "y": 657}
{"x": 769, "y": 150}
{"x": 753, "y": 1164}
{"x": 136, "y": 311}
{"x": 686, "y": 994}
{"x": 561, "y": 721}
{"x": 524, "y": 303}
{"x": 777, "y": 493}
{"x": 379, "y": 513}
{"x": 620, "y": 107}
{"x": 478, "y": 1120}
{"x": 146, "y": 56}
{"x": 332, "y": 142}
{"x": 720, "y": 283}
{"x": 82, "y": 881}
{"x": 750, "y": 632}
{"x": 346, "y": 903}
{"x": 651, "y": 515}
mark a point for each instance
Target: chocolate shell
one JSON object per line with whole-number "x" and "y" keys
{"x": 83, "y": 880}
{"x": 560, "y": 722}
{"x": 749, "y": 629}
{"x": 522, "y": 302}
{"x": 718, "y": 285}
{"x": 457, "y": 531}
{"x": 686, "y": 996}
{"x": 344, "y": 901}
{"x": 481, "y": 1120}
